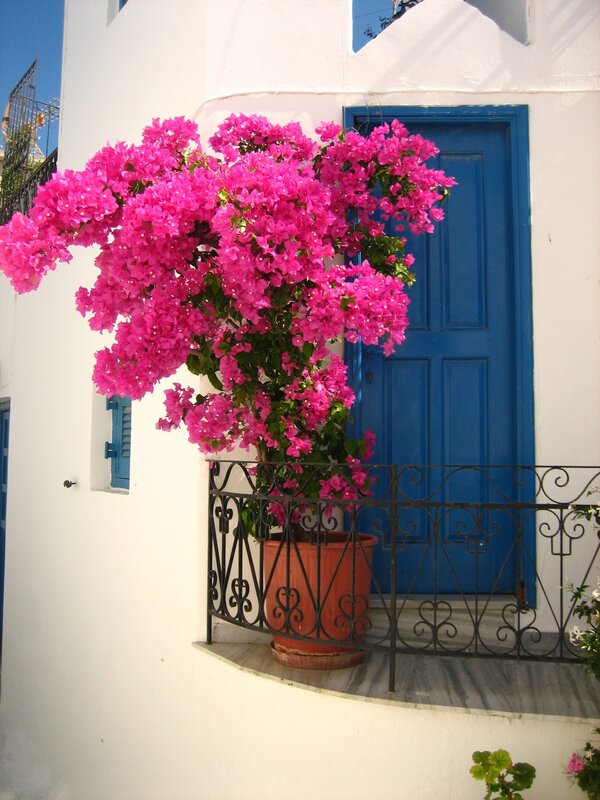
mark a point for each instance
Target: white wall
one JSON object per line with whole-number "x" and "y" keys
{"x": 102, "y": 694}
{"x": 512, "y": 16}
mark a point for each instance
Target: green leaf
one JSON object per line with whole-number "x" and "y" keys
{"x": 212, "y": 377}
{"x": 523, "y": 775}
{"x": 478, "y": 772}
{"x": 501, "y": 759}
{"x": 351, "y": 447}
{"x": 193, "y": 363}
{"x": 280, "y": 297}
{"x": 307, "y": 350}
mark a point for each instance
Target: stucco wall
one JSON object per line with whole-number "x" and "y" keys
{"x": 102, "y": 694}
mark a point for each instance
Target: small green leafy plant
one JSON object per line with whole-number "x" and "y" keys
{"x": 501, "y": 775}
{"x": 586, "y": 607}
{"x": 587, "y": 639}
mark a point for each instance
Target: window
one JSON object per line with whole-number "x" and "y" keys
{"x": 119, "y": 449}
{"x": 121, "y": 4}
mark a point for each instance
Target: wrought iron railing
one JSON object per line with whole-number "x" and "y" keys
{"x": 468, "y": 561}
{"x": 397, "y": 8}
{"x": 21, "y": 199}
{"x": 400, "y": 7}
{"x": 29, "y": 129}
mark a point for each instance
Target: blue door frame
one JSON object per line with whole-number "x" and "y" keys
{"x": 504, "y": 129}
{"x": 4, "y": 426}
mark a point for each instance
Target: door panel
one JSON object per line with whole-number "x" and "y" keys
{"x": 448, "y": 395}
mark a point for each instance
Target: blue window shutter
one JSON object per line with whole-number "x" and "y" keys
{"x": 4, "y": 425}
{"x": 119, "y": 450}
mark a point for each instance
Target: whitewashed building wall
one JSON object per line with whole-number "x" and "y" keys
{"x": 103, "y": 695}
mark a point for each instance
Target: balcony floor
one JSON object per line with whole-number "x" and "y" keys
{"x": 472, "y": 685}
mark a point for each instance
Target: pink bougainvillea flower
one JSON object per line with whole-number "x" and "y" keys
{"x": 242, "y": 264}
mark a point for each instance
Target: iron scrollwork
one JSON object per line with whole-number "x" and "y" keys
{"x": 441, "y": 585}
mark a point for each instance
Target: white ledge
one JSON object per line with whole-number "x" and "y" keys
{"x": 521, "y": 689}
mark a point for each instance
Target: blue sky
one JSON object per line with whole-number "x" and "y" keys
{"x": 30, "y": 29}
{"x": 365, "y": 14}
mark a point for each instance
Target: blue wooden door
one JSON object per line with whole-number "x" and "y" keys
{"x": 4, "y": 420}
{"x": 452, "y": 393}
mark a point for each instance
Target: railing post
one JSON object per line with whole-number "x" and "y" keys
{"x": 209, "y": 538}
{"x": 561, "y": 583}
{"x": 393, "y": 576}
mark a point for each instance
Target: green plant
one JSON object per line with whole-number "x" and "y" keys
{"x": 589, "y": 512}
{"x": 587, "y": 609}
{"x": 584, "y": 769}
{"x": 501, "y": 775}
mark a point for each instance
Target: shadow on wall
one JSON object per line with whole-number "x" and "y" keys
{"x": 571, "y": 21}
{"x": 21, "y": 775}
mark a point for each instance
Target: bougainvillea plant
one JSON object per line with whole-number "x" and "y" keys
{"x": 244, "y": 262}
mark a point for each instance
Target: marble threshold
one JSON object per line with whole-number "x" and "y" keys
{"x": 491, "y": 686}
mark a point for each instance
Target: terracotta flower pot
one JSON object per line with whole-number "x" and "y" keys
{"x": 319, "y": 591}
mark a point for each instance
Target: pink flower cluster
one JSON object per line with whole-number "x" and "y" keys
{"x": 238, "y": 263}
{"x": 576, "y": 764}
